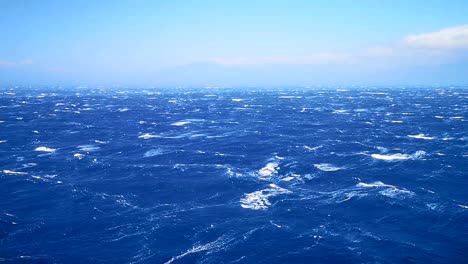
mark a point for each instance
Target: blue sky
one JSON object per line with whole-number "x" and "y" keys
{"x": 233, "y": 43}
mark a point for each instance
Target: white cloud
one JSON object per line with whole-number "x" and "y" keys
{"x": 449, "y": 38}
{"x": 428, "y": 48}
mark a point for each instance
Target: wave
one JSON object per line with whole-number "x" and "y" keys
{"x": 389, "y": 190}
{"x": 326, "y": 167}
{"x": 211, "y": 247}
{"x": 259, "y": 199}
{"x": 374, "y": 184}
{"x": 45, "y": 149}
{"x": 88, "y": 148}
{"x": 14, "y": 172}
{"x": 152, "y": 153}
{"x": 180, "y": 123}
{"x": 421, "y": 136}
{"x": 399, "y": 156}
{"x": 79, "y": 156}
{"x": 148, "y": 136}
{"x": 269, "y": 169}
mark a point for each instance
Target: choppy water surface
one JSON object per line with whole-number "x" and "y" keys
{"x": 369, "y": 175}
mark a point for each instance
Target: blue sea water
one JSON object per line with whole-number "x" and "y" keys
{"x": 362, "y": 175}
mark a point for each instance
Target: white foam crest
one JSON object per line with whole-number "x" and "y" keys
{"x": 395, "y": 192}
{"x": 45, "y": 149}
{"x": 148, "y": 136}
{"x": 88, "y": 148}
{"x": 259, "y": 199}
{"x": 180, "y": 123}
{"x": 349, "y": 195}
{"x": 374, "y": 184}
{"x": 78, "y": 156}
{"x": 269, "y": 169}
{"x": 463, "y": 206}
{"x": 392, "y": 157}
{"x": 389, "y": 190}
{"x": 14, "y": 172}
{"x": 153, "y": 152}
{"x": 421, "y": 136}
{"x": 3, "y": 141}
{"x": 326, "y": 167}
{"x": 214, "y": 246}
{"x": 39, "y": 178}
{"x": 237, "y": 100}
{"x": 288, "y": 178}
{"x": 340, "y": 111}
{"x": 399, "y": 157}
{"x": 312, "y": 149}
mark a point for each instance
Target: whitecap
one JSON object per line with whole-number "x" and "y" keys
{"x": 79, "y": 155}
{"x": 214, "y": 246}
{"x": 463, "y": 206}
{"x": 289, "y": 178}
{"x": 326, "y": 167}
{"x": 3, "y": 141}
{"x": 180, "y": 123}
{"x": 45, "y": 149}
{"x": 260, "y": 199}
{"x": 312, "y": 149}
{"x": 148, "y": 136}
{"x": 395, "y": 192}
{"x": 269, "y": 169}
{"x": 237, "y": 100}
{"x": 432, "y": 206}
{"x": 340, "y": 111}
{"x": 398, "y": 156}
{"x": 421, "y": 136}
{"x": 383, "y": 149}
{"x": 88, "y": 148}
{"x": 374, "y": 184}
{"x": 39, "y": 178}
{"x": 389, "y": 191}
{"x": 14, "y": 172}
{"x": 392, "y": 157}
{"x": 152, "y": 153}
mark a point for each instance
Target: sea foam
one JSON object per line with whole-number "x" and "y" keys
{"x": 259, "y": 199}
{"x": 398, "y": 156}
{"x": 45, "y": 149}
{"x": 326, "y": 167}
{"x": 269, "y": 169}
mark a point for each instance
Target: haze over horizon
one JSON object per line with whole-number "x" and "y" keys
{"x": 266, "y": 43}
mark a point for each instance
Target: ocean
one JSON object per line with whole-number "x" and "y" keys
{"x": 210, "y": 175}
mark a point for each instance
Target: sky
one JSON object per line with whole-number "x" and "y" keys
{"x": 233, "y": 43}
